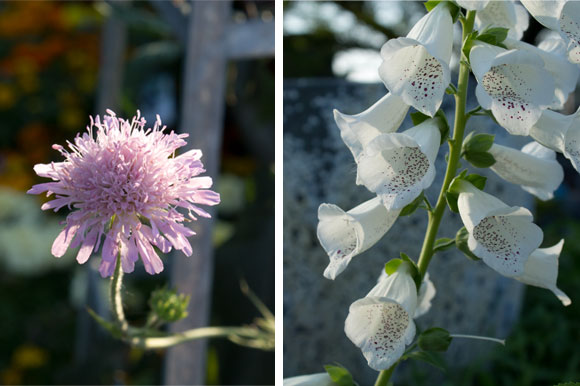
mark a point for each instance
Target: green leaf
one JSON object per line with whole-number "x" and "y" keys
{"x": 495, "y": 34}
{"x": 477, "y": 142}
{"x": 468, "y": 44}
{"x": 434, "y": 339}
{"x": 414, "y": 269}
{"x": 433, "y": 358}
{"x": 109, "y": 326}
{"x": 568, "y": 384}
{"x": 481, "y": 159}
{"x": 461, "y": 238}
{"x": 392, "y": 265}
{"x": 476, "y": 180}
{"x": 443, "y": 126}
{"x": 451, "y": 199}
{"x": 430, "y": 4}
{"x": 418, "y": 117}
{"x": 410, "y": 208}
{"x": 443, "y": 244}
{"x": 339, "y": 375}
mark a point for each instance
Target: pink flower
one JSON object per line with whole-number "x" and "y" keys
{"x": 124, "y": 187}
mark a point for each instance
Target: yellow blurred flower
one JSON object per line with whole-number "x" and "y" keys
{"x": 7, "y": 96}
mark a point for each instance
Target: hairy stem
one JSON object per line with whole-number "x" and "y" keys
{"x": 117, "y": 299}
{"x": 455, "y": 145}
{"x": 149, "y": 337}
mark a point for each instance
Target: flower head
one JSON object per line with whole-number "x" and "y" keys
{"x": 565, "y": 74}
{"x": 534, "y": 168}
{"x": 562, "y": 16}
{"x": 416, "y": 67}
{"x": 124, "y": 184}
{"x": 381, "y": 324}
{"x": 383, "y": 117}
{"x": 512, "y": 84}
{"x": 399, "y": 166}
{"x": 502, "y": 236}
{"x": 343, "y": 235}
{"x": 505, "y": 14}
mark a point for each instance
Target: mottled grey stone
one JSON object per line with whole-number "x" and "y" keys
{"x": 471, "y": 298}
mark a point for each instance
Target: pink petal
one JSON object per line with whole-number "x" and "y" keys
{"x": 88, "y": 245}
{"x": 63, "y": 240}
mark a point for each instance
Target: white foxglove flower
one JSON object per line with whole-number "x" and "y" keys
{"x": 565, "y": 74}
{"x": 505, "y": 14}
{"x": 399, "y": 166}
{"x": 502, "y": 236}
{"x": 560, "y": 133}
{"x": 473, "y": 5}
{"x": 344, "y": 235}
{"x": 318, "y": 379}
{"x": 562, "y": 17}
{"x": 381, "y": 323}
{"x": 534, "y": 168}
{"x": 416, "y": 67}
{"x": 512, "y": 84}
{"x": 385, "y": 116}
{"x": 541, "y": 270}
{"x": 424, "y": 297}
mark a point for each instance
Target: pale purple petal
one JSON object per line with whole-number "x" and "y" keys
{"x": 63, "y": 240}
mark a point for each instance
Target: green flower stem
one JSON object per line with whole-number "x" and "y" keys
{"x": 117, "y": 299}
{"x": 385, "y": 375}
{"x": 455, "y": 145}
{"x": 138, "y": 340}
{"x": 258, "y": 336}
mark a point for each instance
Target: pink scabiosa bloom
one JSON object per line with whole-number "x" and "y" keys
{"x": 124, "y": 185}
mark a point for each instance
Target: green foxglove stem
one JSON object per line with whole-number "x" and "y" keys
{"x": 455, "y": 145}
{"x": 385, "y": 375}
{"x": 496, "y": 340}
{"x": 116, "y": 298}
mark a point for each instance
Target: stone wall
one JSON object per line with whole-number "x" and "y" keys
{"x": 318, "y": 167}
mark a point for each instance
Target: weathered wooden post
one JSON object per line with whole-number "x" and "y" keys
{"x": 202, "y": 117}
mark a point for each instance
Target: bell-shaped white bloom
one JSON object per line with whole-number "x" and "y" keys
{"x": 384, "y": 117}
{"x": 399, "y": 166}
{"x": 381, "y": 323}
{"x": 473, "y": 5}
{"x": 344, "y": 235}
{"x": 565, "y": 74}
{"x": 318, "y": 379}
{"x": 541, "y": 270}
{"x": 560, "y": 133}
{"x": 505, "y": 14}
{"x": 560, "y": 16}
{"x": 512, "y": 84}
{"x": 424, "y": 297}
{"x": 502, "y": 236}
{"x": 416, "y": 67}
{"x": 534, "y": 168}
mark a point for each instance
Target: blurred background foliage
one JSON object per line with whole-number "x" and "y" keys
{"x": 49, "y": 65}
{"x": 336, "y": 39}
